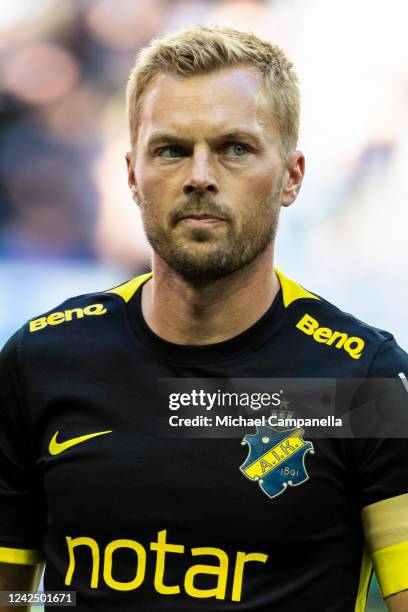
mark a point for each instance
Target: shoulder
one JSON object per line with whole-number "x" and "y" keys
{"x": 72, "y": 310}
{"x": 75, "y": 316}
{"x": 319, "y": 322}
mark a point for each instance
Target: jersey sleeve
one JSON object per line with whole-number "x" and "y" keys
{"x": 22, "y": 506}
{"x": 381, "y": 469}
{"x": 381, "y": 450}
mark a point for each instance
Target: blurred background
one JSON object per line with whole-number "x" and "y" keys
{"x": 67, "y": 222}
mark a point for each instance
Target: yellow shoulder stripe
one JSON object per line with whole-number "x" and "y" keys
{"x": 291, "y": 290}
{"x": 128, "y": 289}
{"x": 21, "y": 556}
{"x": 391, "y": 568}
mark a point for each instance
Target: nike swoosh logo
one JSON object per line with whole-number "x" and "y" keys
{"x": 56, "y": 448}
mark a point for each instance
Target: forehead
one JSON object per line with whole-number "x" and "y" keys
{"x": 232, "y": 97}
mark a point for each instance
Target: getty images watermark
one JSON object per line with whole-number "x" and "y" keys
{"x": 253, "y": 401}
{"x": 341, "y": 408}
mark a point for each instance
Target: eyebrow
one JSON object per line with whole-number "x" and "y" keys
{"x": 167, "y": 137}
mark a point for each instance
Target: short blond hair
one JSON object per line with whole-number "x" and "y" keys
{"x": 202, "y": 50}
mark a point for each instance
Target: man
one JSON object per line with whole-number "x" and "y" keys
{"x": 131, "y": 520}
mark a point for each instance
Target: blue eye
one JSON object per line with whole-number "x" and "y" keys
{"x": 171, "y": 152}
{"x": 238, "y": 150}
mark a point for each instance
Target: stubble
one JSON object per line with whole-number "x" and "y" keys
{"x": 209, "y": 255}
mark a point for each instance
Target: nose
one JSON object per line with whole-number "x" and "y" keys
{"x": 201, "y": 176}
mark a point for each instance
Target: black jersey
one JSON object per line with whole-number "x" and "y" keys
{"x": 131, "y": 520}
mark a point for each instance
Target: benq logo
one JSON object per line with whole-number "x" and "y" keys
{"x": 55, "y": 318}
{"x": 351, "y": 344}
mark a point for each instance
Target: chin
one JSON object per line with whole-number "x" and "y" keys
{"x": 203, "y": 269}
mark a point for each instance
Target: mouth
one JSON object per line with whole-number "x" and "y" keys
{"x": 201, "y": 219}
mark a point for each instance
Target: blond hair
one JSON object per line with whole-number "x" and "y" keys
{"x": 202, "y": 50}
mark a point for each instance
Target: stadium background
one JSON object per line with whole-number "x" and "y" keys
{"x": 67, "y": 222}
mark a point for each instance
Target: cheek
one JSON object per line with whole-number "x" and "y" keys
{"x": 158, "y": 188}
{"x": 256, "y": 200}
{"x": 145, "y": 177}
{"x": 255, "y": 189}
{"x": 265, "y": 180}
{"x": 152, "y": 187}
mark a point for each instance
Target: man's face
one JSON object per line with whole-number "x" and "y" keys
{"x": 209, "y": 172}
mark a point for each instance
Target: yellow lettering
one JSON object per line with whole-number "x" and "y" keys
{"x": 243, "y": 558}
{"x": 141, "y": 565}
{"x": 37, "y": 324}
{"x": 221, "y": 571}
{"x": 265, "y": 466}
{"x": 341, "y": 337}
{"x": 307, "y": 324}
{"x": 72, "y": 543}
{"x": 78, "y": 311}
{"x": 55, "y": 318}
{"x": 322, "y": 334}
{"x": 287, "y": 447}
{"x": 95, "y": 309}
{"x": 161, "y": 547}
{"x": 355, "y": 352}
{"x": 353, "y": 345}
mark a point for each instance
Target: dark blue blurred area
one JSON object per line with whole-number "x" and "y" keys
{"x": 48, "y": 199}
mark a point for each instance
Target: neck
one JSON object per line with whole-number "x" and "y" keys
{"x": 182, "y": 313}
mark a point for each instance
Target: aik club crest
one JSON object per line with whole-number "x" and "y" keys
{"x": 276, "y": 459}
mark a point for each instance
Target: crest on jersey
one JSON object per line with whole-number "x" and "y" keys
{"x": 276, "y": 459}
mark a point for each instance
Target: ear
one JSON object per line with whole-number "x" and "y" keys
{"x": 295, "y": 170}
{"x": 130, "y": 162}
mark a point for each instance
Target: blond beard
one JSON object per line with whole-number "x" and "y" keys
{"x": 236, "y": 251}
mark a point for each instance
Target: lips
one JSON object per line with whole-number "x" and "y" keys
{"x": 202, "y": 218}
